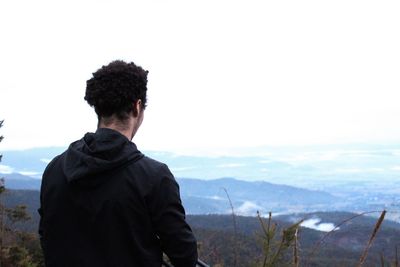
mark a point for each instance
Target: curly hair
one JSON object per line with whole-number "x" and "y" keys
{"x": 114, "y": 89}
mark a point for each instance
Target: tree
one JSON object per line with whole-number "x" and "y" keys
{"x": 1, "y": 156}
{"x": 17, "y": 248}
{"x": 276, "y": 252}
{"x": 2, "y": 189}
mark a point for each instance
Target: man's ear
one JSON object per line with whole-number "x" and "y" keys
{"x": 137, "y": 107}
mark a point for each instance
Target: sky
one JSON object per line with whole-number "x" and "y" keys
{"x": 221, "y": 73}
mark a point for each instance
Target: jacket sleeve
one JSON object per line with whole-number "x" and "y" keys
{"x": 41, "y": 219}
{"x": 43, "y": 225}
{"x": 176, "y": 237}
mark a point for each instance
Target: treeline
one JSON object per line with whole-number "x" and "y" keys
{"x": 338, "y": 248}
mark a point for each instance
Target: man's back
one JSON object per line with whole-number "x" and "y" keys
{"x": 103, "y": 203}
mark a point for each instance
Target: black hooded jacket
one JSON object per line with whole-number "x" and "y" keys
{"x": 103, "y": 203}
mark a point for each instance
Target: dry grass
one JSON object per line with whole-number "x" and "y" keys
{"x": 371, "y": 239}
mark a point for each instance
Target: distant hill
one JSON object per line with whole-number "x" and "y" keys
{"x": 19, "y": 181}
{"x": 208, "y": 196}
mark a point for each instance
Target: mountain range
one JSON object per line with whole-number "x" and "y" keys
{"x": 211, "y": 196}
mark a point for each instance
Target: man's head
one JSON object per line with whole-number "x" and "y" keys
{"x": 117, "y": 92}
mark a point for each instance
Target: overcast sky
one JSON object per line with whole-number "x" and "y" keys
{"x": 221, "y": 73}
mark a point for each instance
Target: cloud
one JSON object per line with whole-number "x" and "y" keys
{"x": 216, "y": 198}
{"x": 247, "y": 208}
{"x": 231, "y": 165}
{"x": 396, "y": 168}
{"x": 266, "y": 161}
{"x": 315, "y": 224}
{"x": 329, "y": 155}
{"x": 358, "y": 170}
{"x": 6, "y": 169}
{"x": 30, "y": 173}
{"x": 47, "y": 161}
{"x": 181, "y": 169}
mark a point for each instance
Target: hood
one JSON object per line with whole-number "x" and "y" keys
{"x": 97, "y": 153}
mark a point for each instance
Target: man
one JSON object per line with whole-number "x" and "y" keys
{"x": 103, "y": 203}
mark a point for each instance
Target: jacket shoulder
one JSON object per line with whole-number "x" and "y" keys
{"x": 53, "y": 162}
{"x": 157, "y": 172}
{"x": 154, "y": 167}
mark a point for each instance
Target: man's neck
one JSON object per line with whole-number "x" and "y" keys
{"x": 126, "y": 128}
{"x": 126, "y": 133}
